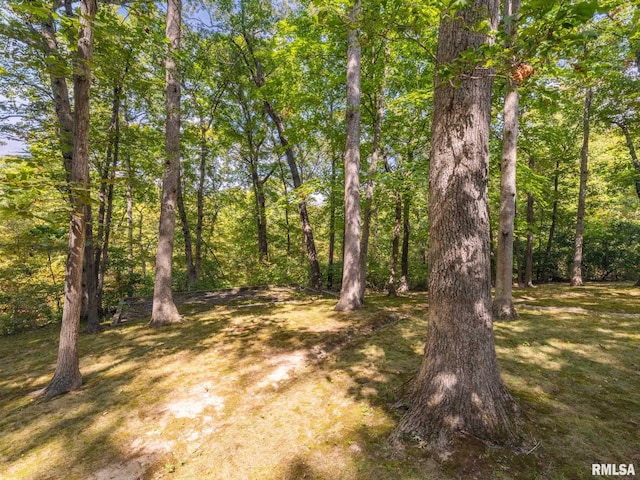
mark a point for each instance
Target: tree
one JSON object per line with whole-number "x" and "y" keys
{"x": 164, "y": 309}
{"x": 350, "y": 293}
{"x": 503, "y": 308}
{"x": 576, "y": 273}
{"x": 67, "y": 376}
{"x": 458, "y": 389}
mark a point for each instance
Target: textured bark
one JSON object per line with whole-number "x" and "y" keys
{"x": 406, "y": 232}
{"x": 576, "y": 273}
{"x": 307, "y": 230}
{"x": 458, "y": 389}
{"x": 164, "y": 310}
{"x": 503, "y": 308}
{"x": 350, "y": 293}
{"x": 67, "y": 376}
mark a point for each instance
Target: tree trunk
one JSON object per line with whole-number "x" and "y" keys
{"x": 332, "y": 223}
{"x": 164, "y": 310}
{"x": 395, "y": 247}
{"x": 350, "y": 293}
{"x": 261, "y": 215}
{"x": 204, "y": 153}
{"x": 528, "y": 272}
{"x": 406, "y": 231}
{"x": 503, "y": 308}
{"x": 67, "y": 376}
{"x": 368, "y": 196}
{"x": 188, "y": 245}
{"x": 519, "y": 259}
{"x": 307, "y": 231}
{"x": 576, "y": 275}
{"x": 458, "y": 389}
{"x": 89, "y": 276}
{"x": 554, "y": 215}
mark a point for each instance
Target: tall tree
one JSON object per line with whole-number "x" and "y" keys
{"x": 576, "y": 272}
{"x": 67, "y": 376}
{"x": 164, "y": 310}
{"x": 351, "y": 291}
{"x": 458, "y": 389}
{"x": 503, "y": 307}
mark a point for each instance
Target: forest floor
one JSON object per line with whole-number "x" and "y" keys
{"x": 271, "y": 383}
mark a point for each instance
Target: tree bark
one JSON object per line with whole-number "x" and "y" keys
{"x": 503, "y": 308}
{"x": 350, "y": 293}
{"x": 90, "y": 277}
{"x": 332, "y": 223}
{"x": 164, "y": 310}
{"x": 458, "y": 389}
{"x": 307, "y": 231}
{"x": 406, "y": 231}
{"x": 576, "y": 274}
{"x": 528, "y": 271}
{"x": 261, "y": 214}
{"x": 67, "y": 375}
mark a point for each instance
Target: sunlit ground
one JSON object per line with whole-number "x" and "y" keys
{"x": 294, "y": 390}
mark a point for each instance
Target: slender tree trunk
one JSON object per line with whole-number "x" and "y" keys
{"x": 307, "y": 231}
{"x": 458, "y": 389}
{"x": 576, "y": 275}
{"x": 368, "y": 196}
{"x": 503, "y": 308}
{"x": 519, "y": 259}
{"x": 129, "y": 195}
{"x": 164, "y": 310}
{"x": 89, "y": 269}
{"x": 204, "y": 153}
{"x": 350, "y": 293}
{"x": 261, "y": 215}
{"x": 554, "y": 216}
{"x": 188, "y": 245}
{"x": 395, "y": 247}
{"x": 528, "y": 272}
{"x": 67, "y": 376}
{"x": 406, "y": 231}
{"x": 332, "y": 223}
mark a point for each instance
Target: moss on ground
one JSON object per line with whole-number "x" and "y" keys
{"x": 295, "y": 390}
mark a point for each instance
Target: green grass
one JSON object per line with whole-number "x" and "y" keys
{"x": 295, "y": 390}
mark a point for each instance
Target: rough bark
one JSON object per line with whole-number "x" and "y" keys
{"x": 350, "y": 293}
{"x": 67, "y": 375}
{"x": 503, "y": 307}
{"x": 576, "y": 273}
{"x": 307, "y": 230}
{"x": 458, "y": 389}
{"x": 164, "y": 310}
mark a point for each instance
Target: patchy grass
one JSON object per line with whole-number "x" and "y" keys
{"x": 291, "y": 390}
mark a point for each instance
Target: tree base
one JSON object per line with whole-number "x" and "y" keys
{"x": 165, "y": 313}
{"x": 61, "y": 384}
{"x": 348, "y": 304}
{"x": 503, "y": 309}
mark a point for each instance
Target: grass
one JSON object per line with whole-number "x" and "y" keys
{"x": 293, "y": 390}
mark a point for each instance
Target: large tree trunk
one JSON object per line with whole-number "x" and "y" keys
{"x": 576, "y": 274}
{"x": 350, "y": 293}
{"x": 307, "y": 231}
{"x": 503, "y": 308}
{"x": 458, "y": 389}
{"x": 67, "y": 376}
{"x": 164, "y": 309}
